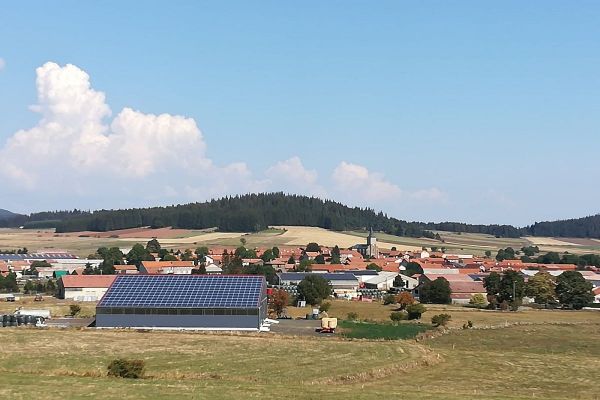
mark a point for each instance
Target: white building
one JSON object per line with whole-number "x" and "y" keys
{"x": 84, "y": 287}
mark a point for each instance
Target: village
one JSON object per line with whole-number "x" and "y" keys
{"x": 362, "y": 273}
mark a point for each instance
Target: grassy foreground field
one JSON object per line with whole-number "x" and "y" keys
{"x": 519, "y": 362}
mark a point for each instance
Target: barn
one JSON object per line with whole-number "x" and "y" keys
{"x": 201, "y": 302}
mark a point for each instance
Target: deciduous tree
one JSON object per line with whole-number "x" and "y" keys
{"x": 314, "y": 289}
{"x": 573, "y": 290}
{"x": 435, "y": 292}
{"x": 541, "y": 288}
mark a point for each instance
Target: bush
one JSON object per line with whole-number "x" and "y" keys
{"x": 441, "y": 319}
{"x": 415, "y": 311}
{"x": 74, "y": 309}
{"x": 389, "y": 299}
{"x": 468, "y": 325}
{"x": 405, "y": 299}
{"x": 478, "y": 299}
{"x": 123, "y": 368}
{"x": 352, "y": 316}
{"x": 325, "y": 307}
{"x": 398, "y": 316}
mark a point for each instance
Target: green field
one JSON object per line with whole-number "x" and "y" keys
{"x": 386, "y": 331}
{"x": 534, "y": 354}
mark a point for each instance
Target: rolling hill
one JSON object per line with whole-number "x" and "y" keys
{"x": 254, "y": 212}
{"x": 6, "y": 215}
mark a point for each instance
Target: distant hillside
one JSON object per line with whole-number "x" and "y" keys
{"x": 586, "y": 227}
{"x": 5, "y": 214}
{"x": 253, "y": 212}
{"x": 249, "y": 213}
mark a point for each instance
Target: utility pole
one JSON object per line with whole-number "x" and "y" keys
{"x": 514, "y": 290}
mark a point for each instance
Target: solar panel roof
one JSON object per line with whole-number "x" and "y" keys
{"x": 36, "y": 256}
{"x": 185, "y": 291}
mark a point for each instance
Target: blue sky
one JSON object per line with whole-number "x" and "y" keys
{"x": 470, "y": 111}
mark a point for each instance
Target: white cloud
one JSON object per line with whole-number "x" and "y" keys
{"x": 356, "y": 180}
{"x": 2, "y": 63}
{"x": 431, "y": 194}
{"x": 81, "y": 155}
{"x": 292, "y": 176}
{"x": 75, "y": 141}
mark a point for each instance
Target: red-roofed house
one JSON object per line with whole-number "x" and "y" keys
{"x": 84, "y": 287}
{"x": 126, "y": 269}
{"x": 461, "y": 292}
{"x": 596, "y": 293}
{"x": 167, "y": 267}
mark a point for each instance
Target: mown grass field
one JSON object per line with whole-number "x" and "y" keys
{"x": 520, "y": 362}
{"x": 460, "y": 315}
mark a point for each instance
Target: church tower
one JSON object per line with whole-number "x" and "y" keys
{"x": 372, "y": 250}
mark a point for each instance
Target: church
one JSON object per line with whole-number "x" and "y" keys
{"x": 370, "y": 249}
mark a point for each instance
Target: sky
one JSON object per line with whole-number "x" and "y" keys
{"x": 470, "y": 111}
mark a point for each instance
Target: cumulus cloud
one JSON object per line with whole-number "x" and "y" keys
{"x": 430, "y": 194}
{"x": 293, "y": 177}
{"x": 80, "y": 154}
{"x": 75, "y": 140}
{"x": 357, "y": 180}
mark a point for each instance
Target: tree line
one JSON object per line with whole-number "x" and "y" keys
{"x": 253, "y": 212}
{"x": 247, "y": 213}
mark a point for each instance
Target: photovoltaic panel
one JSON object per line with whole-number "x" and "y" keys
{"x": 185, "y": 291}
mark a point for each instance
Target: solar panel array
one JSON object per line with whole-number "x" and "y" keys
{"x": 37, "y": 256}
{"x": 185, "y": 291}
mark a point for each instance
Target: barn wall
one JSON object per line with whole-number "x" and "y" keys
{"x": 178, "y": 321}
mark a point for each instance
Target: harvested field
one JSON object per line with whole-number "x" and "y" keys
{"x": 84, "y": 243}
{"x": 513, "y": 362}
{"x": 547, "y": 241}
{"x": 144, "y": 233}
{"x": 301, "y": 235}
{"x": 580, "y": 241}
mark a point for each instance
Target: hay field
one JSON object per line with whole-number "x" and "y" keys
{"x": 550, "y": 361}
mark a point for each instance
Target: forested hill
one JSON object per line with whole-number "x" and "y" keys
{"x": 5, "y": 214}
{"x": 254, "y": 212}
{"x": 586, "y": 227}
{"x": 245, "y": 213}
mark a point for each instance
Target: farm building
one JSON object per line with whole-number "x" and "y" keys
{"x": 341, "y": 283}
{"x": 202, "y": 302}
{"x": 84, "y": 287}
{"x": 167, "y": 267}
{"x": 126, "y": 269}
{"x": 385, "y": 281}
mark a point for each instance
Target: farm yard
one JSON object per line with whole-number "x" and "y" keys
{"x": 537, "y": 360}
